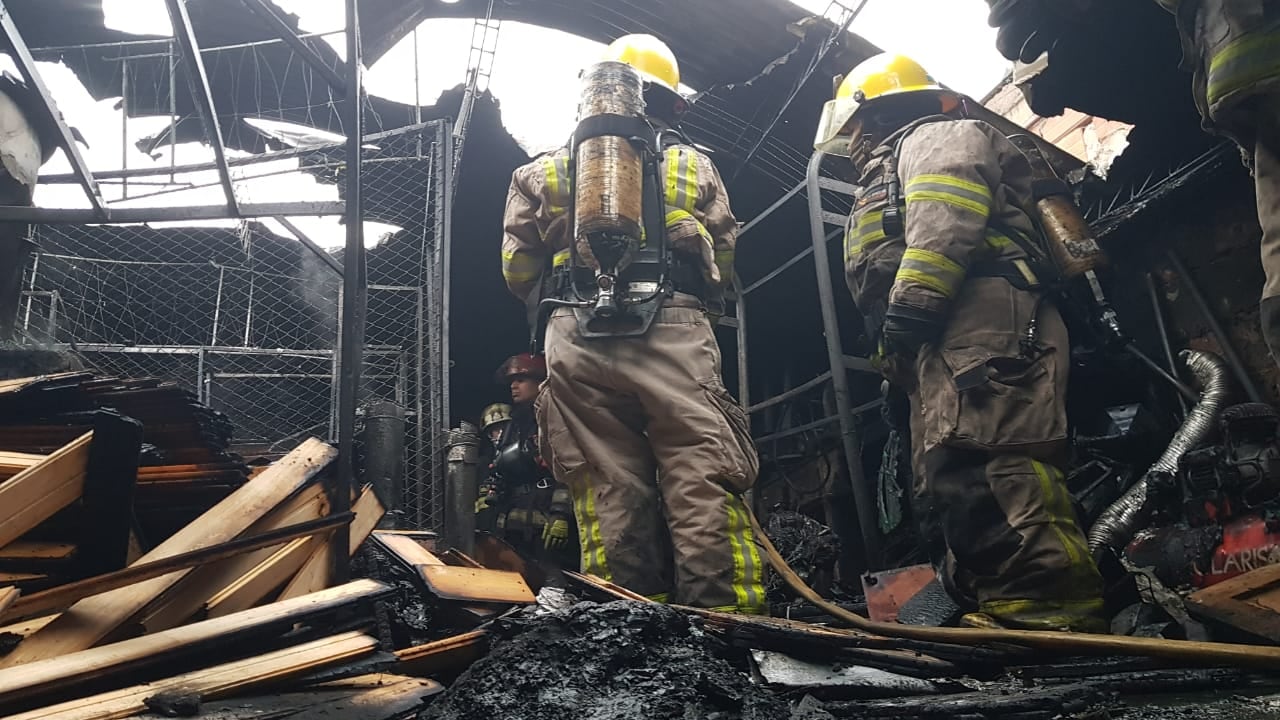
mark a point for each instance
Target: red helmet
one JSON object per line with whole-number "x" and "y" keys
{"x": 523, "y": 365}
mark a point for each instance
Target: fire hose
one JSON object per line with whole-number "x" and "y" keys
{"x": 1067, "y": 643}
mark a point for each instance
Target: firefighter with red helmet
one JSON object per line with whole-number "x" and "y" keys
{"x": 520, "y": 499}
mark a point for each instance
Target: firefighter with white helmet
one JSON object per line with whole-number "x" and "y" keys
{"x": 945, "y": 264}
{"x": 636, "y": 417}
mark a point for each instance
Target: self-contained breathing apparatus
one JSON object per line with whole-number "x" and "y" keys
{"x": 621, "y": 268}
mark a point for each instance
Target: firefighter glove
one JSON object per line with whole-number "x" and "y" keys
{"x": 555, "y": 534}
{"x": 482, "y": 502}
{"x": 907, "y": 329}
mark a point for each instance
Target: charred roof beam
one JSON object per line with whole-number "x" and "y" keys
{"x": 198, "y": 79}
{"x": 27, "y": 67}
{"x": 271, "y": 17}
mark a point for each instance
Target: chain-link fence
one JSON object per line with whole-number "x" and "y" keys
{"x": 245, "y": 313}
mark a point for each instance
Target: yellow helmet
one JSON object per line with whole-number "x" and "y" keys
{"x": 649, "y": 56}
{"x": 494, "y": 414}
{"x": 874, "y": 78}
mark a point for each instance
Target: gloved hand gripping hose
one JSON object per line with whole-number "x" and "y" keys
{"x": 1119, "y": 522}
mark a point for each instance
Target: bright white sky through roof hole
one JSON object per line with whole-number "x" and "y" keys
{"x": 538, "y": 98}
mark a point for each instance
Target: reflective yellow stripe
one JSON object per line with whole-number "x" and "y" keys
{"x": 560, "y": 259}
{"x": 748, "y": 572}
{"x": 519, "y": 267}
{"x": 998, "y": 240}
{"x": 1243, "y": 62}
{"x": 953, "y": 191}
{"x": 1064, "y": 613}
{"x": 589, "y": 535}
{"x": 681, "y": 180}
{"x": 724, "y": 261}
{"x": 1062, "y": 519}
{"x": 556, "y": 169}
{"x": 932, "y": 270}
{"x": 868, "y": 231}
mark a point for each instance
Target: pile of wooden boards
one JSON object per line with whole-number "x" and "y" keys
{"x": 236, "y": 602}
{"x": 97, "y": 470}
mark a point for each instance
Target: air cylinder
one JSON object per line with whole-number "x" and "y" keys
{"x": 609, "y": 174}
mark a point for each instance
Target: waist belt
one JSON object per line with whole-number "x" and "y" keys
{"x": 685, "y": 277}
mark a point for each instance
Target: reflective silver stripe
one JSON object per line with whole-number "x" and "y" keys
{"x": 931, "y": 269}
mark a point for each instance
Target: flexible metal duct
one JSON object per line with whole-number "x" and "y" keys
{"x": 1119, "y": 522}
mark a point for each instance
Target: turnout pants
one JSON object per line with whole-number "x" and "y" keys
{"x": 656, "y": 455}
{"x": 986, "y": 423}
{"x": 1266, "y": 177}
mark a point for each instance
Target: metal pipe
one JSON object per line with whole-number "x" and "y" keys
{"x": 462, "y": 485}
{"x": 771, "y": 209}
{"x": 173, "y": 110}
{"x": 1158, "y": 312}
{"x": 59, "y": 178}
{"x": 783, "y": 397}
{"x": 384, "y": 431}
{"x": 124, "y": 126}
{"x": 740, "y": 312}
{"x": 355, "y": 296}
{"x": 217, "y": 306}
{"x": 1154, "y": 366}
{"x": 277, "y": 24}
{"x": 1224, "y": 341}
{"x": 198, "y": 79}
{"x": 784, "y": 266}
{"x": 311, "y": 245}
{"x": 420, "y": 420}
{"x": 76, "y": 216}
{"x": 864, "y": 499}
{"x": 1118, "y": 522}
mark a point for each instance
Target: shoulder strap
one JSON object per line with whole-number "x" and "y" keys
{"x": 892, "y": 219}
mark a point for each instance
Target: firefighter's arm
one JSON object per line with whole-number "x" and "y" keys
{"x": 948, "y": 171}
{"x": 717, "y": 217}
{"x": 524, "y": 254}
{"x": 699, "y": 221}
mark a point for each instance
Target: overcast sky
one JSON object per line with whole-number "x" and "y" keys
{"x": 538, "y": 99}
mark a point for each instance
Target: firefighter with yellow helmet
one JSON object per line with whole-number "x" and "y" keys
{"x": 943, "y": 261}
{"x": 635, "y": 416}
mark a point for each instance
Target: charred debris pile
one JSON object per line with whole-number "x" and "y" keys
{"x": 146, "y": 570}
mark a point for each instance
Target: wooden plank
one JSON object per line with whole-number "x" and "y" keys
{"x": 8, "y": 596}
{"x": 91, "y": 619}
{"x": 1249, "y": 602}
{"x": 259, "y": 582}
{"x": 37, "y": 493}
{"x": 409, "y": 553}
{"x": 367, "y": 697}
{"x": 12, "y": 463}
{"x": 451, "y": 655}
{"x": 36, "y": 550}
{"x": 215, "y": 682}
{"x": 126, "y": 659}
{"x": 64, "y": 596}
{"x": 26, "y": 628}
{"x": 17, "y": 577}
{"x": 314, "y": 574}
{"x": 186, "y": 598}
{"x": 476, "y": 584}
